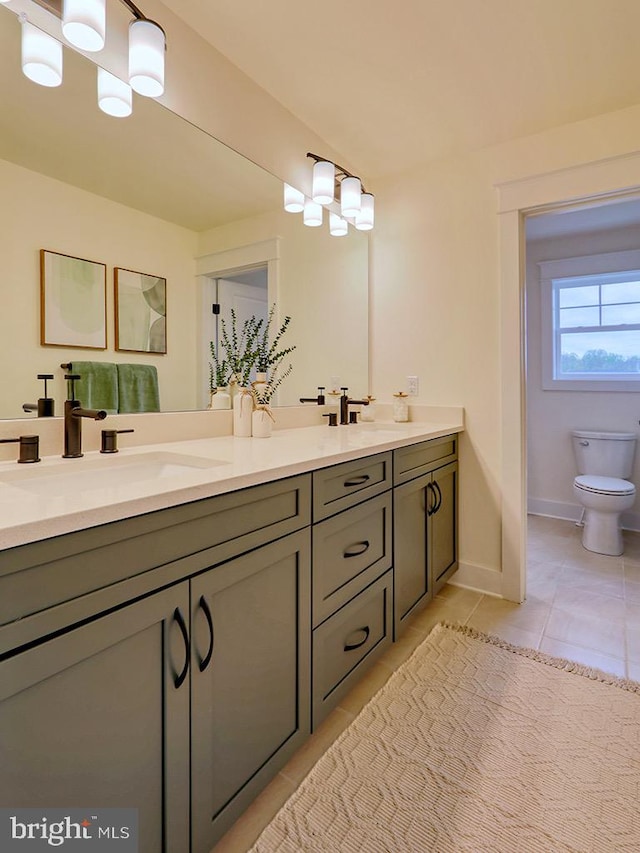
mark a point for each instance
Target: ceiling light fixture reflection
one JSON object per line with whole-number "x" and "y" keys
{"x": 293, "y": 199}
{"x": 84, "y": 25}
{"x": 41, "y": 55}
{"x": 338, "y": 227}
{"x": 114, "y": 95}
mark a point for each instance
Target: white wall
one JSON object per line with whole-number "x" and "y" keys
{"x": 42, "y": 213}
{"x": 551, "y": 415}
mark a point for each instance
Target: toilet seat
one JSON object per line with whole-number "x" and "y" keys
{"x": 604, "y": 485}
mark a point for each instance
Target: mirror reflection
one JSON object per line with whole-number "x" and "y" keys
{"x": 153, "y": 195}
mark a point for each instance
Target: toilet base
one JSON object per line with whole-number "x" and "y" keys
{"x": 602, "y": 533}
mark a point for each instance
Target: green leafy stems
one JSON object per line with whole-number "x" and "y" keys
{"x": 263, "y": 391}
{"x": 249, "y": 347}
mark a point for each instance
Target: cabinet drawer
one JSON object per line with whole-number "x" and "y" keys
{"x": 417, "y": 459}
{"x": 349, "y": 551}
{"x": 348, "y": 643}
{"x": 40, "y": 575}
{"x": 344, "y": 485}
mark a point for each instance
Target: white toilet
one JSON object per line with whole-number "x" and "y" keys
{"x": 604, "y": 460}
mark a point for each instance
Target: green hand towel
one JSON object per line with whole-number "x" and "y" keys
{"x": 98, "y": 386}
{"x": 138, "y": 388}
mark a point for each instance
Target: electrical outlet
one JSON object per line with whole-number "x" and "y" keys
{"x": 412, "y": 386}
{"x": 334, "y": 382}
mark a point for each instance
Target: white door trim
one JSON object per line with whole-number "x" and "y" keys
{"x": 615, "y": 176}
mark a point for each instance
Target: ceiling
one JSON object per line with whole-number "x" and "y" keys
{"x": 391, "y": 85}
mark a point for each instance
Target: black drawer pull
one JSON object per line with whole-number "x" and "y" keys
{"x": 357, "y": 481}
{"x": 349, "y": 647}
{"x": 439, "y": 502}
{"x": 356, "y": 549}
{"x": 431, "y": 504}
{"x": 204, "y": 663}
{"x": 180, "y": 677}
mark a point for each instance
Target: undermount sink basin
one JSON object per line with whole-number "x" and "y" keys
{"x": 100, "y": 474}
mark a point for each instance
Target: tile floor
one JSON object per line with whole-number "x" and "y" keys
{"x": 582, "y": 606}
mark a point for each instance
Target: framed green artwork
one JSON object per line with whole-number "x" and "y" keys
{"x": 141, "y": 311}
{"x": 73, "y": 301}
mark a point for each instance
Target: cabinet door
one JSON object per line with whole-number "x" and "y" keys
{"x": 93, "y": 717}
{"x": 250, "y": 678}
{"x": 410, "y": 548}
{"x": 444, "y": 550}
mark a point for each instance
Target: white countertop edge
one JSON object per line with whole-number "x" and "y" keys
{"x": 224, "y": 479}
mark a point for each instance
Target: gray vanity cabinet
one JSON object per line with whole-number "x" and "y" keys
{"x": 249, "y": 679}
{"x": 352, "y": 585}
{"x": 99, "y": 716}
{"x": 425, "y": 524}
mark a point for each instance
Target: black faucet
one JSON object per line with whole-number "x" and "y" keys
{"x": 45, "y": 407}
{"x": 73, "y": 414}
{"x": 345, "y": 402}
{"x": 319, "y": 399}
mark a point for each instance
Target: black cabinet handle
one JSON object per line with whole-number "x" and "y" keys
{"x": 206, "y": 660}
{"x": 439, "y": 501}
{"x": 356, "y": 549}
{"x": 179, "y": 679}
{"x": 357, "y": 481}
{"x": 431, "y": 507}
{"x": 349, "y": 647}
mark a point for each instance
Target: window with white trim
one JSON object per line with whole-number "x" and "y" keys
{"x": 591, "y": 322}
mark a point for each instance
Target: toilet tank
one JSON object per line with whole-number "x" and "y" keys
{"x": 605, "y": 454}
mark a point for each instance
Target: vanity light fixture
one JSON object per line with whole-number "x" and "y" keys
{"x": 332, "y": 182}
{"x": 84, "y": 26}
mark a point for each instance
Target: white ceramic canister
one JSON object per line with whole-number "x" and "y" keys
{"x": 220, "y": 399}
{"x": 368, "y": 413}
{"x": 400, "y": 407}
{"x": 242, "y": 412}
{"x": 262, "y": 422}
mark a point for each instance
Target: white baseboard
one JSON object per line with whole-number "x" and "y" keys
{"x": 572, "y": 512}
{"x": 479, "y": 579}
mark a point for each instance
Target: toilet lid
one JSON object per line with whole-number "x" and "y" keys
{"x": 604, "y": 485}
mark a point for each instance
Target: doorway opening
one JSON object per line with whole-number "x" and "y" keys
{"x": 574, "y": 347}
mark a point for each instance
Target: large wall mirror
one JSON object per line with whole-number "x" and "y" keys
{"x": 155, "y": 195}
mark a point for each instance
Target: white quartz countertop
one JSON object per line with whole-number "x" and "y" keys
{"x": 57, "y": 496}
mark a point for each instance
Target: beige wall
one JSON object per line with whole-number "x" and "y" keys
{"x": 551, "y": 415}
{"x": 42, "y": 213}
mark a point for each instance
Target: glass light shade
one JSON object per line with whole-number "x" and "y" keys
{"x": 350, "y": 191}
{"x": 312, "y": 215}
{"x": 338, "y": 227}
{"x": 146, "y": 58}
{"x": 293, "y": 199}
{"x": 364, "y": 217}
{"x": 41, "y": 56}
{"x": 114, "y": 95}
{"x": 324, "y": 176}
{"x": 84, "y": 23}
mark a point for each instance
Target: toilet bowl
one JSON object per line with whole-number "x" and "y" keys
{"x": 604, "y": 460}
{"x": 603, "y": 499}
